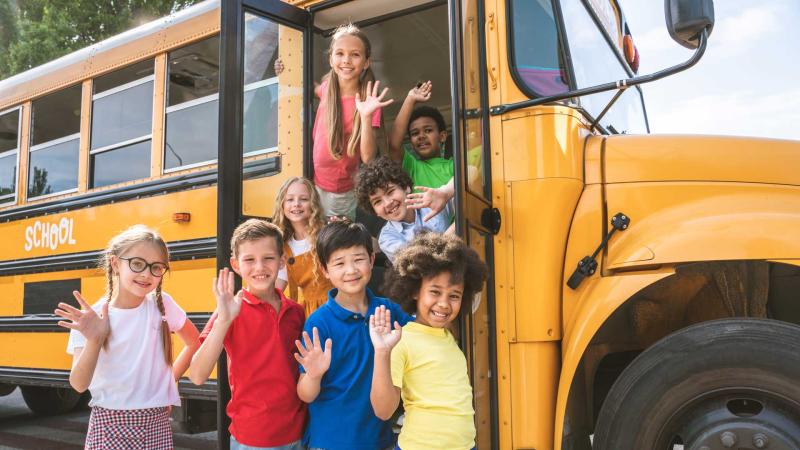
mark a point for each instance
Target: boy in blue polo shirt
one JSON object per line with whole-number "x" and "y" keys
{"x": 336, "y": 380}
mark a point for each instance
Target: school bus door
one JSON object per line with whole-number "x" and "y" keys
{"x": 262, "y": 140}
{"x": 477, "y": 220}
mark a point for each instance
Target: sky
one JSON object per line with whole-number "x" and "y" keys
{"x": 746, "y": 84}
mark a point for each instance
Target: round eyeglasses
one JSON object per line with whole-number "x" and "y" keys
{"x": 138, "y": 265}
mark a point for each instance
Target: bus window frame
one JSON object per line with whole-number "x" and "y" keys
{"x": 10, "y": 199}
{"x": 564, "y": 50}
{"x": 45, "y": 146}
{"x": 116, "y": 90}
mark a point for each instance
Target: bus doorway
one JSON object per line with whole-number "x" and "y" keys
{"x": 438, "y": 41}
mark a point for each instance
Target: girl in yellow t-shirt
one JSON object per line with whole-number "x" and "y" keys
{"x": 436, "y": 276}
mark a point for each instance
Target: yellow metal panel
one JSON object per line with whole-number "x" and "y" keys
{"x": 90, "y": 228}
{"x": 685, "y": 221}
{"x": 35, "y": 350}
{"x": 543, "y": 145}
{"x": 159, "y": 94}
{"x": 290, "y": 101}
{"x": 86, "y": 132}
{"x": 585, "y": 234}
{"x": 686, "y": 158}
{"x": 541, "y": 213}
{"x": 593, "y": 165}
{"x": 189, "y": 282}
{"x": 534, "y": 373}
{"x": 24, "y": 153}
{"x": 598, "y": 298}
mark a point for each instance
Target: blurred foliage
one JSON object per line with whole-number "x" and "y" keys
{"x": 33, "y": 32}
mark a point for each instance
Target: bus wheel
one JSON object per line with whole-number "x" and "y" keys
{"x": 729, "y": 383}
{"x": 49, "y": 401}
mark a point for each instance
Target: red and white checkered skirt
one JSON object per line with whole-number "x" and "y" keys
{"x": 133, "y": 429}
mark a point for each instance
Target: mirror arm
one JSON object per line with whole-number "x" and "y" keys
{"x": 621, "y": 84}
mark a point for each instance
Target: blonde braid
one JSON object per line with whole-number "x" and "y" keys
{"x": 166, "y": 338}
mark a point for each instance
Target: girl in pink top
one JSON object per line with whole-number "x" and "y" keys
{"x": 341, "y": 142}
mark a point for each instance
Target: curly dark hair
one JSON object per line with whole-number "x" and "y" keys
{"x": 429, "y": 255}
{"x": 377, "y": 174}
{"x": 427, "y": 111}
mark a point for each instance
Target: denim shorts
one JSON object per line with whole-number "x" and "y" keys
{"x": 296, "y": 445}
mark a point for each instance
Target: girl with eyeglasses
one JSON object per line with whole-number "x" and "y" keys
{"x": 122, "y": 347}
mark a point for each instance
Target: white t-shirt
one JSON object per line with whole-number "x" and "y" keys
{"x": 131, "y": 371}
{"x": 298, "y": 248}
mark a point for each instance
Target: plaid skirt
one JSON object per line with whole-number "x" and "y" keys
{"x": 134, "y": 429}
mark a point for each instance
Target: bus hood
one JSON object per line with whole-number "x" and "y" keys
{"x": 653, "y": 158}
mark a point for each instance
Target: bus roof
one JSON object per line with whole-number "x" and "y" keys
{"x": 142, "y": 42}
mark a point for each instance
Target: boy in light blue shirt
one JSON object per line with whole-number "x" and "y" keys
{"x": 382, "y": 188}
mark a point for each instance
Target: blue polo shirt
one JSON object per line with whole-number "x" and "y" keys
{"x": 341, "y": 417}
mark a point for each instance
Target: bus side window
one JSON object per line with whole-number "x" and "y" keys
{"x": 55, "y": 137}
{"x": 122, "y": 118}
{"x": 537, "y": 48}
{"x": 9, "y": 147}
{"x": 192, "y": 105}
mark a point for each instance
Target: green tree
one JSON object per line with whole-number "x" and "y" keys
{"x": 33, "y": 32}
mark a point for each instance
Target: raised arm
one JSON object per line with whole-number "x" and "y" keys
{"x": 421, "y": 93}
{"x": 228, "y": 307}
{"x": 315, "y": 361}
{"x": 95, "y": 328}
{"x": 368, "y": 145}
{"x": 384, "y": 395}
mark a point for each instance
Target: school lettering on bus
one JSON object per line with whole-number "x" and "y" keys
{"x": 49, "y": 234}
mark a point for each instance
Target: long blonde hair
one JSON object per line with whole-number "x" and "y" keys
{"x": 333, "y": 113}
{"x": 120, "y": 244}
{"x": 315, "y": 221}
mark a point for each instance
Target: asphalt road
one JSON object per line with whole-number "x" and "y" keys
{"x": 21, "y": 429}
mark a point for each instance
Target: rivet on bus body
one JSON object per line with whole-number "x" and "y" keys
{"x": 549, "y": 331}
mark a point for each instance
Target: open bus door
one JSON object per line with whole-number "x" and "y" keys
{"x": 261, "y": 124}
{"x": 478, "y": 221}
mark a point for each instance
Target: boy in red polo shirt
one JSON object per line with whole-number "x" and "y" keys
{"x": 257, "y": 327}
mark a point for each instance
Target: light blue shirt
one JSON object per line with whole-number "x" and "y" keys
{"x": 396, "y": 235}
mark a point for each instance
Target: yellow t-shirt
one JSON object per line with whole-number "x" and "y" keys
{"x": 431, "y": 372}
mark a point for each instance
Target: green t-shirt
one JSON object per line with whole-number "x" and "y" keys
{"x": 433, "y": 172}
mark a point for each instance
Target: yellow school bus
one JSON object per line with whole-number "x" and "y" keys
{"x": 643, "y": 290}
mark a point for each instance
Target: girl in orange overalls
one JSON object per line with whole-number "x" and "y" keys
{"x": 299, "y": 215}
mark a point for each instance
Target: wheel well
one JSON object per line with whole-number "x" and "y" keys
{"x": 696, "y": 293}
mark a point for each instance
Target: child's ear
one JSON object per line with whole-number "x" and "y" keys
{"x": 324, "y": 271}
{"x": 113, "y": 263}
{"x": 442, "y": 136}
{"x": 283, "y": 261}
{"x": 235, "y": 265}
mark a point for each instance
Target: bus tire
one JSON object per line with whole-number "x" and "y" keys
{"x": 48, "y": 401}
{"x": 731, "y": 381}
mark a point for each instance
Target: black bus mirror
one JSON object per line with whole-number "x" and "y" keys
{"x": 686, "y": 19}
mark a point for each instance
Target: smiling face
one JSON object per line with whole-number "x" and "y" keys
{"x": 426, "y": 137}
{"x": 297, "y": 203}
{"x": 137, "y": 285}
{"x": 348, "y": 57}
{"x": 258, "y": 262}
{"x": 349, "y": 270}
{"x": 438, "y": 301}
{"x": 390, "y": 203}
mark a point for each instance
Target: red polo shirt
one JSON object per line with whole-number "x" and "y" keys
{"x": 264, "y": 408}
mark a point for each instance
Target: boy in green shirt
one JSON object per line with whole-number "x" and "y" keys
{"x": 427, "y": 132}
